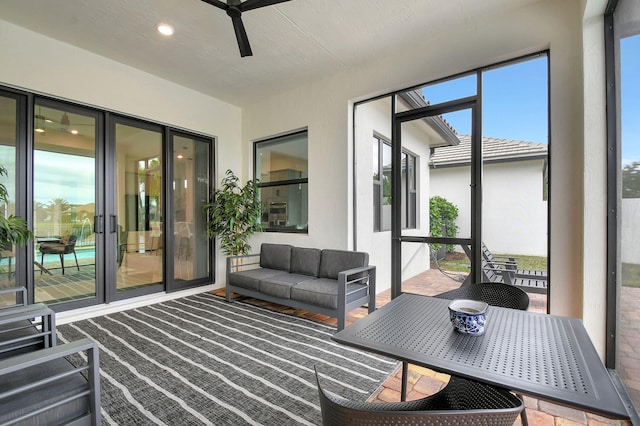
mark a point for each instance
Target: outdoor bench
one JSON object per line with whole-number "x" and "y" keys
{"x": 329, "y": 282}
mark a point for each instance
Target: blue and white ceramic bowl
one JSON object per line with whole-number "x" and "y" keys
{"x": 468, "y": 316}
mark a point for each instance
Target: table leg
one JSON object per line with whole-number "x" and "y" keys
{"x": 405, "y": 374}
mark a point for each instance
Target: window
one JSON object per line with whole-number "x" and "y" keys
{"x": 382, "y": 187}
{"x": 281, "y": 172}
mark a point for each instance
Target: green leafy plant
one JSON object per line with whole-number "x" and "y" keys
{"x": 13, "y": 230}
{"x": 442, "y": 214}
{"x": 233, "y": 215}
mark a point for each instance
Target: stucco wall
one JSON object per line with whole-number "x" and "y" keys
{"x": 375, "y": 118}
{"x": 514, "y": 215}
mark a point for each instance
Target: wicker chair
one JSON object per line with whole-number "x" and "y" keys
{"x": 494, "y": 294}
{"x": 461, "y": 402}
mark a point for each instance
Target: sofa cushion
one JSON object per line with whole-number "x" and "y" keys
{"x": 334, "y": 261}
{"x": 324, "y": 292}
{"x": 27, "y": 402}
{"x": 305, "y": 261}
{"x": 275, "y": 256}
{"x": 280, "y": 285}
{"x": 250, "y": 279}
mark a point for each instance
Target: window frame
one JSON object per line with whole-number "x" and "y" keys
{"x": 410, "y": 190}
{"x": 285, "y": 182}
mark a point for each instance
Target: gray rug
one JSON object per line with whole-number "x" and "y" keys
{"x": 201, "y": 360}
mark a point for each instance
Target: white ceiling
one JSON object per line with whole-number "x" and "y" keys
{"x": 293, "y": 42}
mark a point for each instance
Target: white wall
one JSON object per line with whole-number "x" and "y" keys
{"x": 324, "y": 106}
{"x": 514, "y": 213}
{"x": 66, "y": 72}
{"x": 375, "y": 118}
{"x": 629, "y": 247}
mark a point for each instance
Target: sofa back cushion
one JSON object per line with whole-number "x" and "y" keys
{"x": 305, "y": 261}
{"x": 334, "y": 261}
{"x": 275, "y": 256}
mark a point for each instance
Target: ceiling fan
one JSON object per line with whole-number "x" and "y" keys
{"x": 234, "y": 9}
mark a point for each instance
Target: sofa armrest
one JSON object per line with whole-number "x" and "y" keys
{"x": 40, "y": 357}
{"x": 240, "y": 261}
{"x": 362, "y": 275}
{"x": 27, "y": 327}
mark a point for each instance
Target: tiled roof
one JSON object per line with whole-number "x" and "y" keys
{"x": 493, "y": 149}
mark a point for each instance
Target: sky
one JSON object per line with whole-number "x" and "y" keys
{"x": 515, "y": 100}
{"x": 514, "y": 97}
{"x": 630, "y": 98}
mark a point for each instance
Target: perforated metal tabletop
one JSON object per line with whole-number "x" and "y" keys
{"x": 546, "y": 356}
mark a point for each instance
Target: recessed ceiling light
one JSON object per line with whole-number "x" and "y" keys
{"x": 165, "y": 29}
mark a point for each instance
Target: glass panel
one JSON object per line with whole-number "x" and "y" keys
{"x": 403, "y": 198}
{"x": 283, "y": 160}
{"x": 64, "y": 175}
{"x": 450, "y": 174}
{"x": 190, "y": 190}
{"x": 377, "y": 185}
{"x": 139, "y": 166}
{"x": 515, "y": 160}
{"x": 8, "y": 135}
{"x": 284, "y": 207}
{"x": 386, "y": 187}
{"x": 436, "y": 93}
{"x": 628, "y": 351}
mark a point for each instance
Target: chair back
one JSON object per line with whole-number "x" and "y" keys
{"x": 70, "y": 246}
{"x": 492, "y": 293}
{"x": 461, "y": 402}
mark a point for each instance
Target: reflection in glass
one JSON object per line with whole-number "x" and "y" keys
{"x": 190, "y": 191}
{"x": 139, "y": 206}
{"x": 64, "y": 205}
{"x": 282, "y": 173}
{"x": 8, "y": 121}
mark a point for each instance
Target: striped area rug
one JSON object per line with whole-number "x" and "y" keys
{"x": 199, "y": 360}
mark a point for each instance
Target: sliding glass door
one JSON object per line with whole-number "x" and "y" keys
{"x": 114, "y": 203}
{"x": 9, "y": 118}
{"x": 135, "y": 219}
{"x": 190, "y": 190}
{"x": 64, "y": 202}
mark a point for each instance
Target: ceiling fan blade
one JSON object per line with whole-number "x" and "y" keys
{"x": 254, "y": 4}
{"x": 241, "y": 36}
{"x": 217, "y": 3}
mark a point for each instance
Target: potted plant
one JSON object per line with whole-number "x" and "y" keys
{"x": 233, "y": 214}
{"x": 13, "y": 230}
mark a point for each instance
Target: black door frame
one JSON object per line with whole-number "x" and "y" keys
{"x": 472, "y": 103}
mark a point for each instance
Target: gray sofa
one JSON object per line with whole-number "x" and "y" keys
{"x": 330, "y": 282}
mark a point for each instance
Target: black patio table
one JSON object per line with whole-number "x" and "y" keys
{"x": 546, "y": 356}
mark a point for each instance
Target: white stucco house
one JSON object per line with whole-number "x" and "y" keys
{"x": 514, "y": 195}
